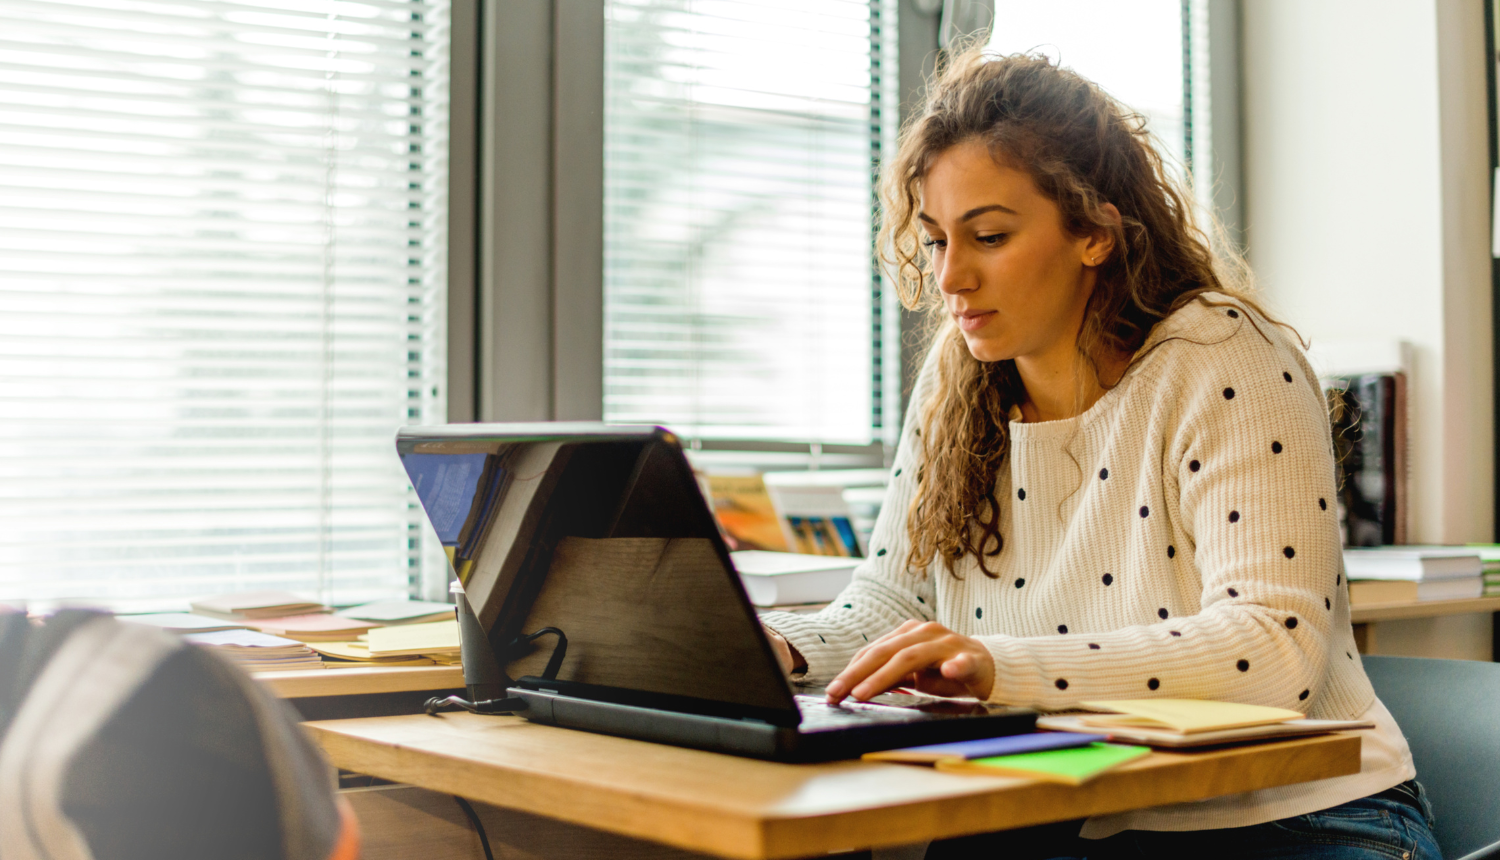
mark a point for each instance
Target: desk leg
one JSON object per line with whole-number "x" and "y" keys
{"x": 1364, "y": 637}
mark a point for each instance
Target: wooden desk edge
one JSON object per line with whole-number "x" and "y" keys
{"x": 1366, "y": 613}
{"x": 1209, "y": 775}
{"x": 774, "y": 836}
{"x": 362, "y": 681}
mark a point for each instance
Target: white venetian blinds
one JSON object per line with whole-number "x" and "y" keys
{"x": 740, "y": 141}
{"x": 221, "y": 279}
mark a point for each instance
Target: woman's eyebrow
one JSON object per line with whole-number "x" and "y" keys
{"x": 980, "y": 210}
{"x": 972, "y": 213}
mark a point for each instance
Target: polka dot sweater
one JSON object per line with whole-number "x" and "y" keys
{"x": 1177, "y": 539}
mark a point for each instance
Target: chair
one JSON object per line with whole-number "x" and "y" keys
{"x": 1449, "y": 711}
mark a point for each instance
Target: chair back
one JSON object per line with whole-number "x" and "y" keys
{"x": 1449, "y": 711}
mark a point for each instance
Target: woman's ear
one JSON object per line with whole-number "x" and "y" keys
{"x": 1099, "y": 246}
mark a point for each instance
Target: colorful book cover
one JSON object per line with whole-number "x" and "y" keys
{"x": 1073, "y": 766}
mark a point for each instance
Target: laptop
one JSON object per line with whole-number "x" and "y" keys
{"x": 595, "y": 570}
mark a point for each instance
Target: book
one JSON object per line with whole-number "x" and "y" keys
{"x": 772, "y": 578}
{"x": 746, "y": 516}
{"x": 255, "y": 604}
{"x": 399, "y": 611}
{"x": 1170, "y": 739}
{"x": 312, "y": 627}
{"x": 182, "y": 622}
{"x": 816, "y": 517}
{"x": 1413, "y": 563}
{"x": 1183, "y": 716}
{"x": 1368, "y": 417}
{"x": 1073, "y": 766}
{"x": 985, "y": 747}
{"x": 1365, "y": 592}
{"x": 433, "y": 637}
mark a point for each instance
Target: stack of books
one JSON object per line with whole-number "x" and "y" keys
{"x": 1489, "y": 562}
{"x": 1402, "y": 574}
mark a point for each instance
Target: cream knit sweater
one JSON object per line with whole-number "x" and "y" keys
{"x": 1180, "y": 538}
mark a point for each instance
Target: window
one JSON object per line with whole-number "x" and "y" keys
{"x": 741, "y": 140}
{"x": 223, "y": 280}
{"x": 1152, "y": 55}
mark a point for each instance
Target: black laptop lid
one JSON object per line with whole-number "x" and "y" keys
{"x": 602, "y": 533}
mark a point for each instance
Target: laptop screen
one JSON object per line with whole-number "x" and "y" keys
{"x": 602, "y": 533}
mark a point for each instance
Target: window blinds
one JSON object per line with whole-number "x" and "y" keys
{"x": 221, "y": 289}
{"x": 741, "y": 301}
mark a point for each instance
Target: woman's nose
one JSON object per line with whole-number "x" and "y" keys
{"x": 955, "y": 273}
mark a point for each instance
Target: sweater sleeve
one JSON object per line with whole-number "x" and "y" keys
{"x": 882, "y": 594}
{"x": 1246, "y": 456}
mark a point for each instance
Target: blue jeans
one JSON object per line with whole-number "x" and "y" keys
{"x": 1371, "y": 828}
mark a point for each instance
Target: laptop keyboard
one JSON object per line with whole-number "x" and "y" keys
{"x": 818, "y": 714}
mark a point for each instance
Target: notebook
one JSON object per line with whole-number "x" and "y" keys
{"x": 1171, "y": 739}
{"x": 1184, "y": 716}
{"x": 985, "y": 747}
{"x": 1073, "y": 766}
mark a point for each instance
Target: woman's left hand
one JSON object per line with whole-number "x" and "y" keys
{"x": 923, "y": 655}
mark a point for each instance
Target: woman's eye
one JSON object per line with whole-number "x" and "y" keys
{"x": 991, "y": 241}
{"x": 929, "y": 242}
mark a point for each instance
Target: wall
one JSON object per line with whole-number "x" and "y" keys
{"x": 1366, "y": 184}
{"x": 1366, "y": 196}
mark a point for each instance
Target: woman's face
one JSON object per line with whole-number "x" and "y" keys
{"x": 1013, "y": 278}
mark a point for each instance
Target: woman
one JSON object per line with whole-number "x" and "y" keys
{"x": 1116, "y": 477}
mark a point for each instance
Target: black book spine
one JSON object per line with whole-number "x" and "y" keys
{"x": 1364, "y": 414}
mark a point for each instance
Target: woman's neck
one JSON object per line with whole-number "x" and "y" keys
{"x": 1066, "y": 390}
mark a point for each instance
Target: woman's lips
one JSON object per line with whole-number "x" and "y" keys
{"x": 973, "y": 320}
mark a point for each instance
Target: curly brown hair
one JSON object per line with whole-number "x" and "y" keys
{"x": 1083, "y": 150}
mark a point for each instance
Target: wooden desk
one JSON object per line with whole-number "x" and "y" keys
{"x": 374, "y": 691}
{"x": 744, "y": 808}
{"x": 363, "y": 681}
{"x": 1366, "y": 616}
{"x": 1365, "y": 613}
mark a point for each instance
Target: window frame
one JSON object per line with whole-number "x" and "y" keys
{"x": 540, "y": 316}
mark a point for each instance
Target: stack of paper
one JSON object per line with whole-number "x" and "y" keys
{"x": 254, "y": 651}
{"x": 778, "y": 578}
{"x": 338, "y": 655}
{"x": 387, "y": 612}
{"x": 181, "y": 622}
{"x": 256, "y": 604}
{"x": 435, "y": 638}
{"x": 312, "y": 627}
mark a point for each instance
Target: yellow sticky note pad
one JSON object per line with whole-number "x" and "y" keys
{"x": 434, "y": 637}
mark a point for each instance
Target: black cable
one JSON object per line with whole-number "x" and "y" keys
{"x": 478, "y": 826}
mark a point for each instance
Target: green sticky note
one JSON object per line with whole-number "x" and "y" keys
{"x": 1072, "y": 766}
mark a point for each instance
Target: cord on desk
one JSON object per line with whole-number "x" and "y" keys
{"x": 484, "y": 706}
{"x": 478, "y": 826}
